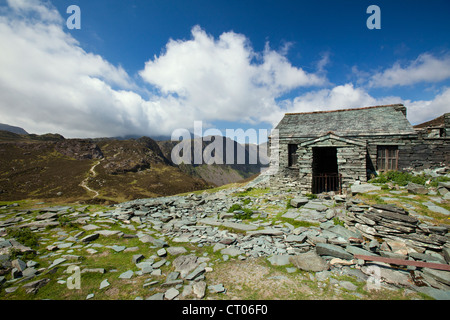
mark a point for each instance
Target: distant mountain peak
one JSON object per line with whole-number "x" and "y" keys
{"x": 13, "y": 129}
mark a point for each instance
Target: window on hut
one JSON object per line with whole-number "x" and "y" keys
{"x": 387, "y": 158}
{"x": 292, "y": 154}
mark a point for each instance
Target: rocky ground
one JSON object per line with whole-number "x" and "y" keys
{"x": 275, "y": 245}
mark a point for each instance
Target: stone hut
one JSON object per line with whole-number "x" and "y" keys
{"x": 330, "y": 150}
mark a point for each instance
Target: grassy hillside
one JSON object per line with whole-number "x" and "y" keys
{"x": 65, "y": 170}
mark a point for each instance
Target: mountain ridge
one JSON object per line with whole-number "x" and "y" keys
{"x": 13, "y": 129}
{"x": 50, "y": 166}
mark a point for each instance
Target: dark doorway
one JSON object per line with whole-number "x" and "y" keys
{"x": 326, "y": 177}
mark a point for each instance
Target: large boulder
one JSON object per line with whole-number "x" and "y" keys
{"x": 416, "y": 188}
{"x": 309, "y": 261}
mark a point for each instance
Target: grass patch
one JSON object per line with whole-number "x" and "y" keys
{"x": 24, "y": 236}
{"x": 403, "y": 178}
{"x": 400, "y": 178}
{"x": 371, "y": 198}
{"x": 240, "y": 212}
{"x": 436, "y": 180}
{"x": 299, "y": 223}
{"x": 252, "y": 192}
{"x": 288, "y": 204}
{"x": 338, "y": 222}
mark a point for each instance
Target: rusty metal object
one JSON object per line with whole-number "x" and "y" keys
{"x": 402, "y": 262}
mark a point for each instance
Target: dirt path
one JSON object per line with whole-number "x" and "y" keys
{"x": 92, "y": 173}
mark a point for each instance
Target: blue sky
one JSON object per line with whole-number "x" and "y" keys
{"x": 149, "y": 67}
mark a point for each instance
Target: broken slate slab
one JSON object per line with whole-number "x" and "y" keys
{"x": 171, "y": 294}
{"x": 210, "y": 221}
{"x": 228, "y": 224}
{"x": 90, "y": 237}
{"x": 29, "y": 272}
{"x": 146, "y": 238}
{"x": 194, "y": 274}
{"x": 309, "y": 215}
{"x": 137, "y": 258}
{"x": 34, "y": 286}
{"x": 94, "y": 270}
{"x": 299, "y": 201}
{"x": 363, "y": 188}
{"x": 159, "y": 264}
{"x": 315, "y": 206}
{"x": 127, "y": 274}
{"x": 199, "y": 289}
{"x": 176, "y": 250}
{"x": 291, "y": 214}
{"x": 355, "y": 250}
{"x": 326, "y": 249}
{"x": 231, "y": 251}
{"x": 56, "y": 262}
{"x": 104, "y": 284}
{"x": 431, "y": 206}
{"x": 117, "y": 248}
{"x": 218, "y": 246}
{"x": 239, "y": 226}
{"x": 347, "y": 285}
{"x": 265, "y": 232}
{"x": 108, "y": 233}
{"x": 90, "y": 227}
{"x": 156, "y": 296}
{"x": 185, "y": 264}
{"x": 435, "y": 293}
{"x": 295, "y": 238}
{"x": 344, "y": 232}
{"x": 218, "y": 288}
{"x": 19, "y": 264}
{"x": 146, "y": 267}
{"x": 416, "y": 188}
{"x": 446, "y": 252}
{"x": 440, "y": 275}
{"x": 161, "y": 252}
{"x": 47, "y": 216}
{"x": 40, "y": 224}
{"x": 172, "y": 276}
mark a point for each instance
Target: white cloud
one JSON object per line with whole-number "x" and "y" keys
{"x": 323, "y": 62}
{"x": 421, "y": 111}
{"x": 44, "y": 11}
{"x": 48, "y": 83}
{"x": 347, "y": 96}
{"x": 426, "y": 68}
{"x": 224, "y": 78}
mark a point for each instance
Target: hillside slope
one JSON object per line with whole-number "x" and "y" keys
{"x": 239, "y": 169}
{"x": 53, "y": 168}
{"x": 13, "y": 129}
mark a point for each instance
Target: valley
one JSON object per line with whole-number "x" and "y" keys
{"x": 102, "y": 170}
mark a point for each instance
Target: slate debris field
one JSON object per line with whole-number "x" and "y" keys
{"x": 172, "y": 247}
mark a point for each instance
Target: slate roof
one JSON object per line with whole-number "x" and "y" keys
{"x": 438, "y": 122}
{"x": 378, "y": 120}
